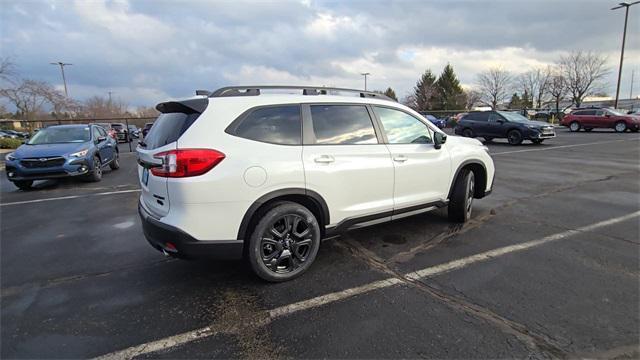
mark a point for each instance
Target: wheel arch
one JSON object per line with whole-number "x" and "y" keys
{"x": 480, "y": 174}
{"x": 307, "y": 198}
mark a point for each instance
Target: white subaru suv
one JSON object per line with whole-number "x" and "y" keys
{"x": 259, "y": 173}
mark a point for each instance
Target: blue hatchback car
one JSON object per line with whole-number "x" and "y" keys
{"x": 62, "y": 151}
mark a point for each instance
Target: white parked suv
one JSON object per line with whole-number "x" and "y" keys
{"x": 255, "y": 172}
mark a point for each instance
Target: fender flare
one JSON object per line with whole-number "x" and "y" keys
{"x": 460, "y": 167}
{"x": 317, "y": 198}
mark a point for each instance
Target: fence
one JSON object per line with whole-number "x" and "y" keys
{"x": 31, "y": 126}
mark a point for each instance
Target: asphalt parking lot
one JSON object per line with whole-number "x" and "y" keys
{"x": 548, "y": 267}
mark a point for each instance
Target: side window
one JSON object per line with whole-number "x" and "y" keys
{"x": 274, "y": 124}
{"x": 342, "y": 125}
{"x": 102, "y": 131}
{"x": 578, "y": 113}
{"x": 402, "y": 128}
{"x": 494, "y": 118}
{"x": 470, "y": 116}
{"x": 96, "y": 132}
{"x": 589, "y": 112}
{"x": 599, "y": 113}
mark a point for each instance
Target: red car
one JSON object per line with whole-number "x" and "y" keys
{"x": 589, "y": 119}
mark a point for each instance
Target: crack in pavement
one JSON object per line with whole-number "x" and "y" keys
{"x": 534, "y": 341}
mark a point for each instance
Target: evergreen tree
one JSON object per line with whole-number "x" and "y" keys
{"x": 516, "y": 102}
{"x": 449, "y": 93}
{"x": 424, "y": 92}
{"x": 390, "y": 93}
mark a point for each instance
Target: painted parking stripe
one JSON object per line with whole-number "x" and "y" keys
{"x": 70, "y": 197}
{"x": 562, "y": 146}
{"x": 187, "y": 337}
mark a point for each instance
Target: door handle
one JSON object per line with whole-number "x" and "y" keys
{"x": 400, "y": 158}
{"x": 324, "y": 159}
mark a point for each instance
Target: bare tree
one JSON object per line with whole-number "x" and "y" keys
{"x": 145, "y": 111}
{"x": 536, "y": 82}
{"x": 583, "y": 74}
{"x": 494, "y": 86}
{"x": 473, "y": 97}
{"x": 29, "y": 97}
{"x": 101, "y": 107}
{"x": 7, "y": 70}
{"x": 557, "y": 87}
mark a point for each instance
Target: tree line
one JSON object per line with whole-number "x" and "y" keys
{"x": 573, "y": 77}
{"x": 35, "y": 99}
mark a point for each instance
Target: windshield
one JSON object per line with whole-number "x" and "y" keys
{"x": 514, "y": 117}
{"x": 117, "y": 126}
{"x": 57, "y": 135}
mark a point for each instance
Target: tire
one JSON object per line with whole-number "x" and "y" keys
{"x": 115, "y": 163}
{"x": 634, "y": 130}
{"x": 23, "y": 185}
{"x": 588, "y": 129}
{"x": 574, "y": 126}
{"x": 514, "y": 137}
{"x": 284, "y": 243}
{"x": 461, "y": 202}
{"x": 537, "y": 141}
{"x": 621, "y": 126}
{"x": 96, "y": 174}
{"x": 488, "y": 139}
{"x": 467, "y": 133}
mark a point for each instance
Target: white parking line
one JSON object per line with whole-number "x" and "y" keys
{"x": 562, "y": 146}
{"x": 69, "y": 197}
{"x": 187, "y": 337}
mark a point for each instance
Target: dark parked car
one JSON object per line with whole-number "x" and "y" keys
{"x": 62, "y": 151}
{"x": 440, "y": 123}
{"x": 589, "y": 119}
{"x": 503, "y": 124}
{"x": 122, "y": 133}
{"x": 146, "y": 129}
{"x": 17, "y": 134}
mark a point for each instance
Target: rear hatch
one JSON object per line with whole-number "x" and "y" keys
{"x": 175, "y": 118}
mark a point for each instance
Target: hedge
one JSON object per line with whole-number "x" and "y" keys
{"x": 8, "y": 143}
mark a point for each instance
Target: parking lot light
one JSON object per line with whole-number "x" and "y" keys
{"x": 625, "y": 5}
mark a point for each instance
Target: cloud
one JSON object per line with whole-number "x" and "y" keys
{"x": 148, "y": 50}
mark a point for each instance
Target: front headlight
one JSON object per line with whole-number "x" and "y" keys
{"x": 81, "y": 153}
{"x": 9, "y": 157}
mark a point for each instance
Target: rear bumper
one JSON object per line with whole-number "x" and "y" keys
{"x": 176, "y": 242}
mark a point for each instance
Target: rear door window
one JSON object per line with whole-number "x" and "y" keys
{"x": 168, "y": 128}
{"x": 342, "y": 125}
{"x": 274, "y": 124}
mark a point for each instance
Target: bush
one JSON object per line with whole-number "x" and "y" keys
{"x": 8, "y": 143}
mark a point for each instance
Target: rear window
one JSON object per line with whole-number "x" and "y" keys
{"x": 342, "y": 124}
{"x": 117, "y": 126}
{"x": 274, "y": 124}
{"x": 168, "y": 128}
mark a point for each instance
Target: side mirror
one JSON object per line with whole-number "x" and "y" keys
{"x": 439, "y": 139}
{"x": 101, "y": 139}
{"x": 500, "y": 121}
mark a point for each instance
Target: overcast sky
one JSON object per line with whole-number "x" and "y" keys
{"x": 148, "y": 51}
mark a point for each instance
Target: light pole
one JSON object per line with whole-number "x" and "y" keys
{"x": 64, "y": 80}
{"x": 625, "y": 5}
{"x": 365, "y": 79}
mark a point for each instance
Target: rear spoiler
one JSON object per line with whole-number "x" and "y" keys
{"x": 185, "y": 106}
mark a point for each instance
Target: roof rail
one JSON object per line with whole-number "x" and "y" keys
{"x": 306, "y": 90}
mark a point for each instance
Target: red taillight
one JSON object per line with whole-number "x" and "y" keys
{"x": 186, "y": 162}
